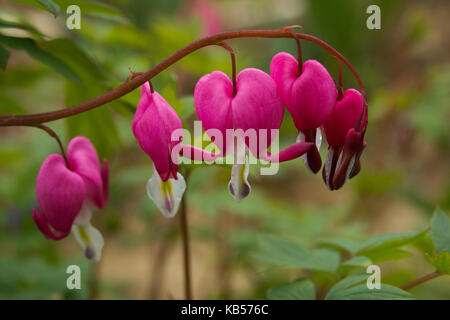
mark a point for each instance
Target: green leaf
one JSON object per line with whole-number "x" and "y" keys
{"x": 4, "y": 57}
{"x": 345, "y": 284}
{"x": 348, "y": 245}
{"x": 75, "y": 57}
{"x": 387, "y": 247}
{"x": 170, "y": 96}
{"x": 378, "y": 256}
{"x": 362, "y": 292}
{"x": 354, "y": 263}
{"x": 98, "y": 124}
{"x": 441, "y": 261}
{"x": 284, "y": 252}
{"x": 50, "y": 6}
{"x": 188, "y": 107}
{"x": 440, "y": 230}
{"x": 8, "y": 105}
{"x": 31, "y": 47}
{"x": 348, "y": 289}
{"x": 19, "y": 25}
{"x": 301, "y": 289}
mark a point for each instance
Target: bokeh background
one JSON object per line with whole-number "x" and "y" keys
{"x": 405, "y": 67}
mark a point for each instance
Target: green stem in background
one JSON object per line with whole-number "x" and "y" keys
{"x": 421, "y": 280}
{"x": 94, "y": 281}
{"x": 130, "y": 85}
{"x": 186, "y": 244}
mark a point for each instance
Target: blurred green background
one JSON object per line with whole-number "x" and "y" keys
{"x": 405, "y": 67}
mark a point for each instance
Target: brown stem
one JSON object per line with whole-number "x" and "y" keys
{"x": 52, "y": 134}
{"x": 186, "y": 248}
{"x": 233, "y": 64}
{"x": 421, "y": 280}
{"x": 127, "y": 86}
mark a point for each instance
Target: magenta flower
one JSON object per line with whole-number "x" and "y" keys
{"x": 67, "y": 193}
{"x": 345, "y": 143}
{"x": 309, "y": 98}
{"x": 255, "y": 111}
{"x": 153, "y": 125}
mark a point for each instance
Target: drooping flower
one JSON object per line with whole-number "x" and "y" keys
{"x": 153, "y": 125}
{"x": 67, "y": 194}
{"x": 309, "y": 98}
{"x": 253, "y": 115}
{"x": 345, "y": 136}
{"x": 209, "y": 14}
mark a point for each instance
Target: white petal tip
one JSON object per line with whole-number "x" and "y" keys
{"x": 166, "y": 195}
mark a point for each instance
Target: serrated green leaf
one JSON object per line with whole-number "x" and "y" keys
{"x": 31, "y": 47}
{"x": 4, "y": 57}
{"x": 440, "y": 230}
{"x": 441, "y": 261}
{"x": 301, "y": 289}
{"x": 284, "y": 252}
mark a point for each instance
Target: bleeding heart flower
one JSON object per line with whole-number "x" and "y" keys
{"x": 67, "y": 193}
{"x": 153, "y": 125}
{"x": 257, "y": 107}
{"x": 309, "y": 98}
{"x": 345, "y": 143}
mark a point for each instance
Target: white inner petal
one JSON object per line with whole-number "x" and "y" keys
{"x": 90, "y": 240}
{"x": 238, "y": 186}
{"x": 350, "y": 166}
{"x": 328, "y": 163}
{"x": 301, "y": 138}
{"x": 318, "y": 138}
{"x": 166, "y": 195}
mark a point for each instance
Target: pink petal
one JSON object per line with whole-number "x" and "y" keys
{"x": 42, "y": 223}
{"x": 313, "y": 96}
{"x": 284, "y": 71}
{"x": 292, "y": 152}
{"x": 344, "y": 116}
{"x": 257, "y": 105}
{"x": 153, "y": 124}
{"x": 197, "y": 154}
{"x": 83, "y": 160}
{"x": 60, "y": 194}
{"x": 104, "y": 171}
{"x": 212, "y": 97}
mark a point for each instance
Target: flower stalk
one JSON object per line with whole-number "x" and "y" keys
{"x": 130, "y": 85}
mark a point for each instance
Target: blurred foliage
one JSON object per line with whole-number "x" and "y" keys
{"x": 324, "y": 240}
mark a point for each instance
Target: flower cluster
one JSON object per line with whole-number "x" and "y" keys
{"x": 69, "y": 187}
{"x": 255, "y": 101}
